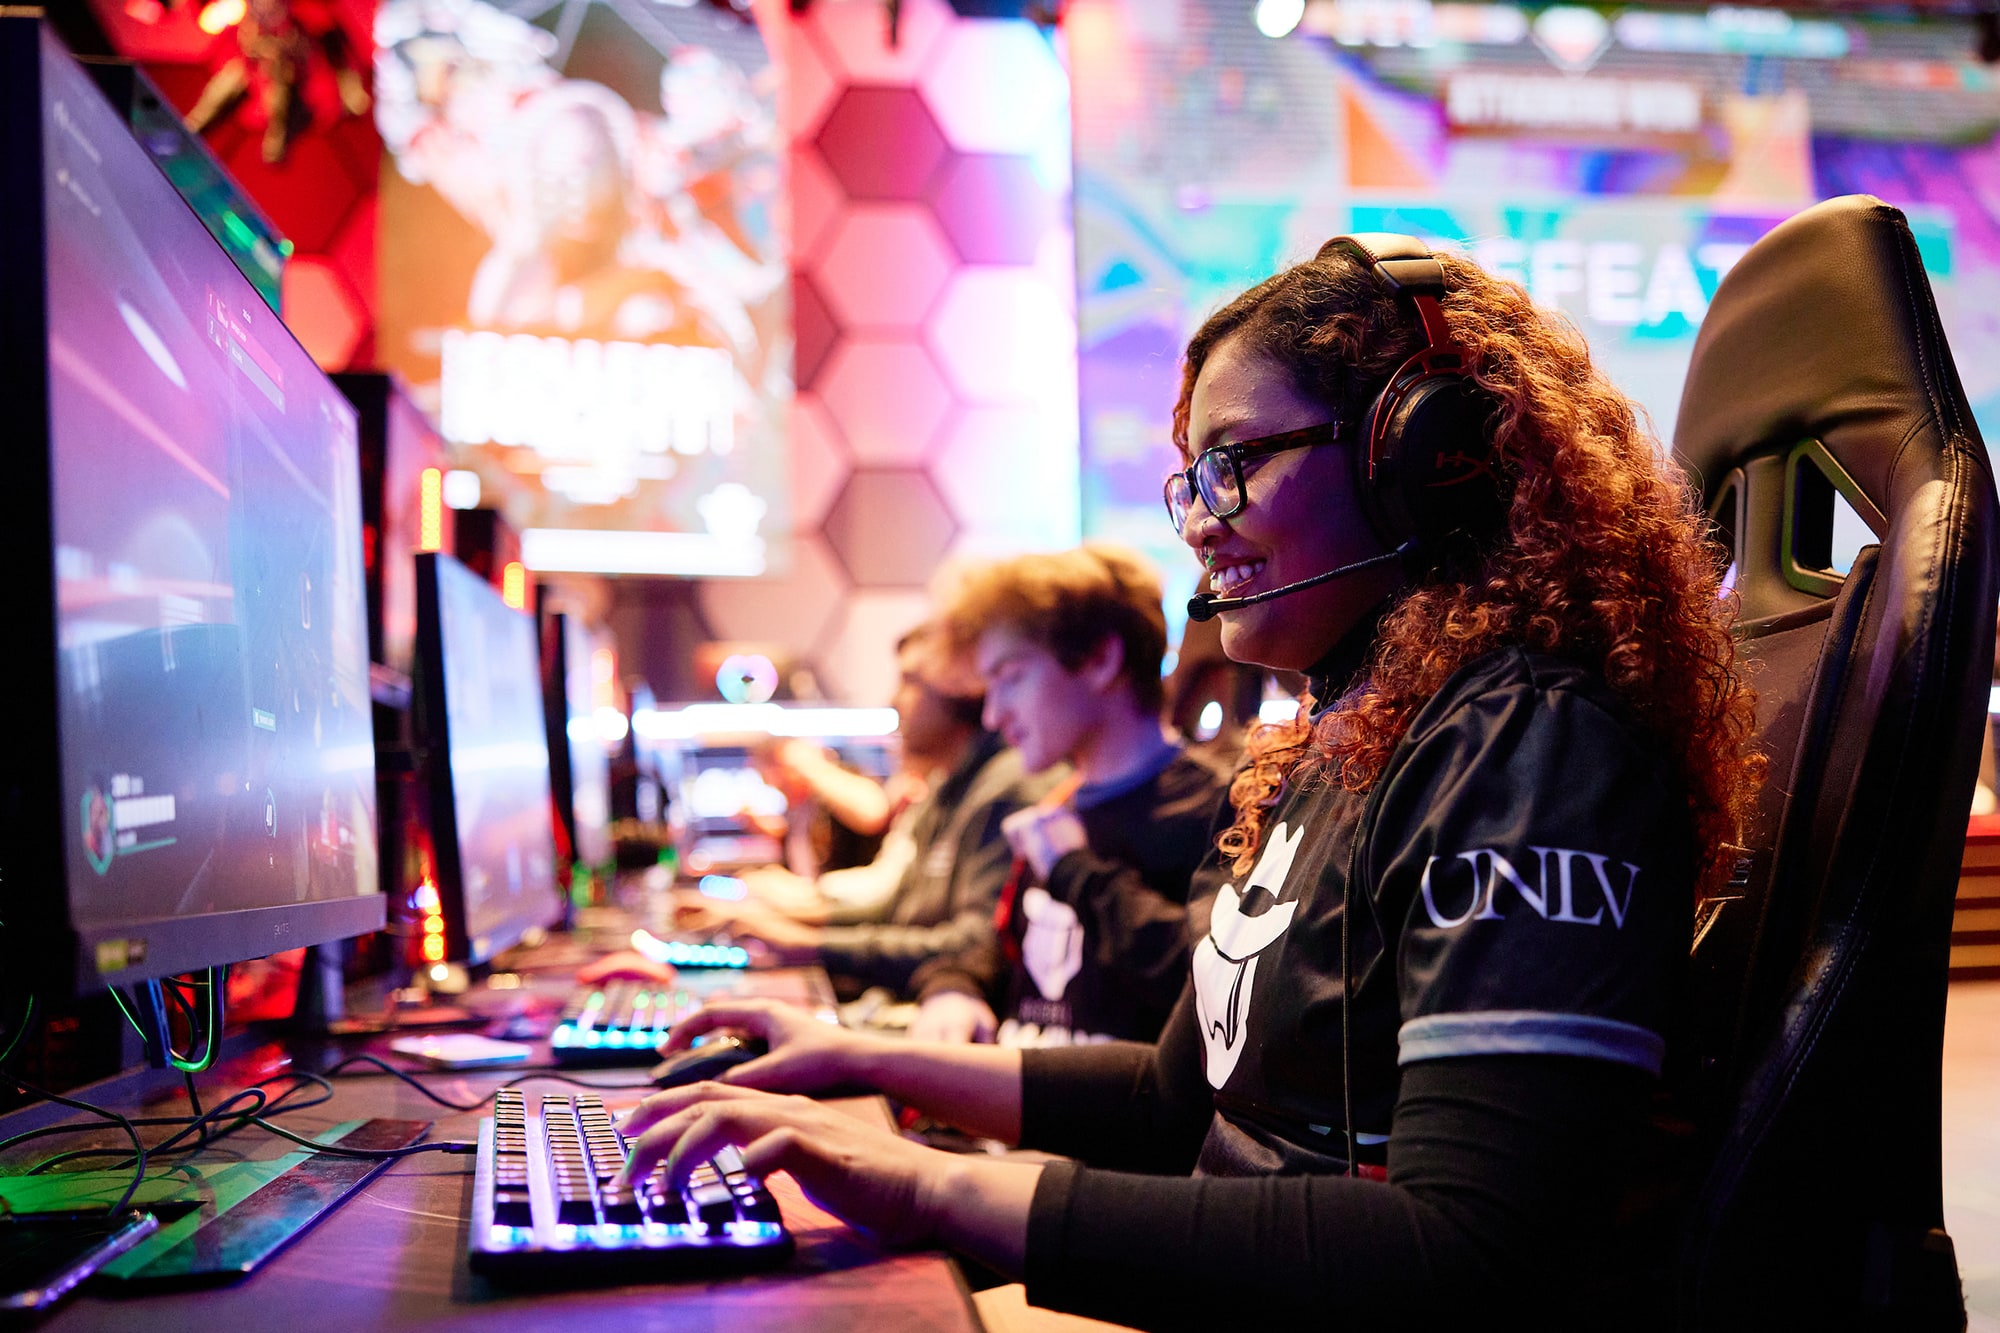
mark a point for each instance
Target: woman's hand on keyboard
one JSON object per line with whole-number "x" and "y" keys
{"x": 806, "y": 1054}
{"x": 875, "y": 1180}
{"x": 867, "y": 1176}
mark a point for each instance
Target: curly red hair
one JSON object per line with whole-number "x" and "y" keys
{"x": 1603, "y": 557}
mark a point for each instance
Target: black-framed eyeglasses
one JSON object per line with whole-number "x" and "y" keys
{"x": 1216, "y": 474}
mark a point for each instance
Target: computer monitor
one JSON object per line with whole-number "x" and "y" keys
{"x": 403, "y": 463}
{"x": 477, "y": 715}
{"x": 189, "y": 776}
{"x": 579, "y": 763}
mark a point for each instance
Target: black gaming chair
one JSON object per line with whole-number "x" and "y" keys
{"x": 1820, "y": 979}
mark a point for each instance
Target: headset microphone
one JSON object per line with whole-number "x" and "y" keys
{"x": 1207, "y": 606}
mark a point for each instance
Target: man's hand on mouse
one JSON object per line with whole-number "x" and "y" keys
{"x": 790, "y": 941}
{"x": 627, "y": 965}
{"x": 954, "y": 1016}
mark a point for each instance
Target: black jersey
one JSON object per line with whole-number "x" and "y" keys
{"x": 1523, "y": 875}
{"x": 1100, "y": 951}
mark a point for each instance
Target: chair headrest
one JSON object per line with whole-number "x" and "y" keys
{"x": 1826, "y": 328}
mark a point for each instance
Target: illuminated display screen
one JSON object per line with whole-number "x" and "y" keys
{"x": 411, "y": 520}
{"x": 497, "y": 754}
{"x": 581, "y": 272}
{"x": 1616, "y": 163}
{"x": 217, "y": 750}
{"x": 589, "y": 760}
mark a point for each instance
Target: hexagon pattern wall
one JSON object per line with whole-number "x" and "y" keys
{"x": 935, "y": 294}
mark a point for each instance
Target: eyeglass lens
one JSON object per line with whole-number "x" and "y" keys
{"x": 1215, "y": 480}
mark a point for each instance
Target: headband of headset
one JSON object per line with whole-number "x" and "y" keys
{"x": 1427, "y": 469}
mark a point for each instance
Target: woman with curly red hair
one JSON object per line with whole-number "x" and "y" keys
{"x": 1421, "y": 1068}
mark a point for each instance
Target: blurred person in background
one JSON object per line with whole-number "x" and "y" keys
{"x": 929, "y": 894}
{"x": 1090, "y": 937}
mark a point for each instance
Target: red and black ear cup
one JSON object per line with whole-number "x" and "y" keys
{"x": 1427, "y": 462}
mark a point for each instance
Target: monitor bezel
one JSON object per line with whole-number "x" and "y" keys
{"x": 431, "y": 729}
{"x": 51, "y": 955}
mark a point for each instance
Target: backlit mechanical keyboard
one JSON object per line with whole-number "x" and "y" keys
{"x": 546, "y": 1206}
{"x": 620, "y": 1023}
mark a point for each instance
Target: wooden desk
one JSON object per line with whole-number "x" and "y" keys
{"x": 393, "y": 1256}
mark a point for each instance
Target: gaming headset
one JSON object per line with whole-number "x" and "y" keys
{"x": 1428, "y": 468}
{"x": 1427, "y": 477}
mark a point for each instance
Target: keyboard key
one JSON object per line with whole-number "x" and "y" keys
{"x": 511, "y": 1207}
{"x": 621, "y": 1208}
{"x": 666, "y": 1207}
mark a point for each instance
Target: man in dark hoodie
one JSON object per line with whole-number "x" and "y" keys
{"x": 1090, "y": 939}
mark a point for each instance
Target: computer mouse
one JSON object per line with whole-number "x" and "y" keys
{"x": 708, "y": 1060}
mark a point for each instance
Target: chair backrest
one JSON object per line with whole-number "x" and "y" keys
{"x": 1821, "y": 371}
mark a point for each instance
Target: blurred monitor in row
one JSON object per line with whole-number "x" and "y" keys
{"x": 477, "y": 715}
{"x": 404, "y": 464}
{"x": 579, "y": 755}
{"x": 190, "y": 772}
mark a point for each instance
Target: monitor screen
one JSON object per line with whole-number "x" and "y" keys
{"x": 216, "y": 751}
{"x": 589, "y": 760}
{"x": 412, "y": 520}
{"x": 403, "y": 484}
{"x": 481, "y": 721}
{"x": 585, "y": 272}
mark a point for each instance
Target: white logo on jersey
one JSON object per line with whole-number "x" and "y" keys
{"x": 1052, "y": 946}
{"x": 1225, "y": 963}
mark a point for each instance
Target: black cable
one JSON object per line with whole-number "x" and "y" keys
{"x": 169, "y": 1146}
{"x": 375, "y": 1154}
{"x": 20, "y": 1031}
{"x": 409, "y": 1077}
{"x": 194, "y": 1104}
{"x": 124, "y": 1122}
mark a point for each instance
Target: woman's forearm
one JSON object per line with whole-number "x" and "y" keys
{"x": 976, "y": 1088}
{"x": 981, "y": 1210}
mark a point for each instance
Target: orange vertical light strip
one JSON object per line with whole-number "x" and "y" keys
{"x": 603, "y": 671}
{"x": 514, "y": 585}
{"x": 430, "y": 510}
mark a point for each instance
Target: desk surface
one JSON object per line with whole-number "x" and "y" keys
{"x": 393, "y": 1256}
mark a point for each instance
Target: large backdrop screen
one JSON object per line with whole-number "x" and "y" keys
{"x": 1616, "y": 162}
{"x": 582, "y": 272}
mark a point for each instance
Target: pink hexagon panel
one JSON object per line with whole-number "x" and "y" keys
{"x": 820, "y": 461}
{"x": 814, "y": 331}
{"x": 993, "y": 207}
{"x": 1003, "y": 336}
{"x": 857, "y": 660}
{"x": 817, "y": 203}
{"x": 881, "y": 143}
{"x": 856, "y": 34}
{"x": 884, "y": 266}
{"x": 888, "y": 398}
{"x": 997, "y": 86}
{"x": 797, "y": 608}
{"x": 1009, "y": 474}
{"x": 890, "y": 528}
{"x": 810, "y": 86}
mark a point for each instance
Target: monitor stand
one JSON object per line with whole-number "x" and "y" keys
{"x": 322, "y": 992}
